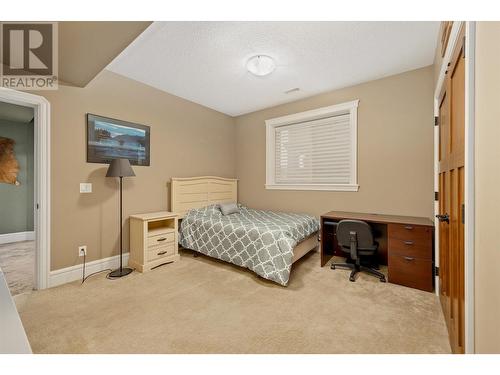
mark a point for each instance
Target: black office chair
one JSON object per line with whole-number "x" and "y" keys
{"x": 356, "y": 239}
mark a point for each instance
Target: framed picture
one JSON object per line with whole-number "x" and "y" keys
{"x": 109, "y": 139}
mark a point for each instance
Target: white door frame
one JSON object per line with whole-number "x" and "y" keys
{"x": 470, "y": 44}
{"x": 41, "y": 109}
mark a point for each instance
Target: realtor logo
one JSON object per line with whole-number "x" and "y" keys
{"x": 28, "y": 55}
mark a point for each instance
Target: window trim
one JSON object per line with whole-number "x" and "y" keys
{"x": 315, "y": 114}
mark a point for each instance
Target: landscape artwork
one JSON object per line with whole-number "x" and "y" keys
{"x": 109, "y": 139}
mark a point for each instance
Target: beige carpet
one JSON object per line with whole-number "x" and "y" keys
{"x": 17, "y": 261}
{"x": 199, "y": 305}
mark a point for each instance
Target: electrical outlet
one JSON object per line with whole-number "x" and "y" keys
{"x": 82, "y": 250}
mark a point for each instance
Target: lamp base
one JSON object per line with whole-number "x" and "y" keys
{"x": 119, "y": 273}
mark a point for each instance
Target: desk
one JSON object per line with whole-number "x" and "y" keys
{"x": 405, "y": 245}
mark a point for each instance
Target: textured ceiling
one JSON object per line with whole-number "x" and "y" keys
{"x": 205, "y": 61}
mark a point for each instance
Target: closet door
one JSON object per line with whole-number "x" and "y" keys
{"x": 451, "y": 197}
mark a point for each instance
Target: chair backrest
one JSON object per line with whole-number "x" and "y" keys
{"x": 363, "y": 231}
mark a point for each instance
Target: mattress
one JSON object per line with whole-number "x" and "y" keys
{"x": 261, "y": 241}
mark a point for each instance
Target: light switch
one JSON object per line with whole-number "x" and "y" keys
{"x": 85, "y": 187}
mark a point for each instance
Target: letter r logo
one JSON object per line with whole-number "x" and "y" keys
{"x": 27, "y": 48}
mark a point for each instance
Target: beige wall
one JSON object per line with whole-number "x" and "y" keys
{"x": 395, "y": 155}
{"x": 186, "y": 139}
{"x": 86, "y": 48}
{"x": 487, "y": 182}
{"x": 395, "y": 150}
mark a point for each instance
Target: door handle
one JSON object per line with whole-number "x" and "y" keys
{"x": 408, "y": 242}
{"x": 409, "y": 259}
{"x": 444, "y": 218}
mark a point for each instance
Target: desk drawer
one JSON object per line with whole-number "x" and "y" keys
{"x": 161, "y": 239}
{"x": 411, "y": 272}
{"x": 410, "y": 248}
{"x": 419, "y": 235}
{"x": 160, "y": 252}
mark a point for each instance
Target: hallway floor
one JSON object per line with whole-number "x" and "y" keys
{"x": 17, "y": 261}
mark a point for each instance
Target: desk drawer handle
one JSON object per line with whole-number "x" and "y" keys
{"x": 409, "y": 259}
{"x": 408, "y": 242}
{"x": 161, "y": 239}
{"x": 162, "y": 252}
{"x": 409, "y": 227}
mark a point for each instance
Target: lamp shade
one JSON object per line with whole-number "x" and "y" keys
{"x": 120, "y": 168}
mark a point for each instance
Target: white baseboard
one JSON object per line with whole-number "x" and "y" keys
{"x": 69, "y": 274}
{"x": 17, "y": 237}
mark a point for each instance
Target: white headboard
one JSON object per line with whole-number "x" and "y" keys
{"x": 196, "y": 192}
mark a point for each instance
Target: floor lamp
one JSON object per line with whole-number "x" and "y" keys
{"x": 120, "y": 168}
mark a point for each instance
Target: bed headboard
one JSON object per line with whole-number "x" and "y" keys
{"x": 196, "y": 192}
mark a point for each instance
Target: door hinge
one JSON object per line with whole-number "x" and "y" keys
{"x": 436, "y": 195}
{"x": 463, "y": 48}
{"x": 463, "y": 213}
{"x": 436, "y": 271}
{"x": 37, "y": 206}
{"x": 436, "y": 121}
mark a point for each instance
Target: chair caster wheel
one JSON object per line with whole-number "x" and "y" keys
{"x": 352, "y": 279}
{"x": 332, "y": 267}
{"x": 382, "y": 280}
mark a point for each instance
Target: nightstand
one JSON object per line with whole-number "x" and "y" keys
{"x": 153, "y": 240}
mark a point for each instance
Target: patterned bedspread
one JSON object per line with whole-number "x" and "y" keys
{"x": 262, "y": 241}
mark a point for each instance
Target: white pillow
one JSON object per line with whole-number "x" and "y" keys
{"x": 229, "y": 208}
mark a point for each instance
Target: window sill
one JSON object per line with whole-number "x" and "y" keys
{"x": 320, "y": 187}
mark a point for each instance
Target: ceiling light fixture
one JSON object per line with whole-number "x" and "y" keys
{"x": 261, "y": 65}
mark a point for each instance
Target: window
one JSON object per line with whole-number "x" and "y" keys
{"x": 313, "y": 150}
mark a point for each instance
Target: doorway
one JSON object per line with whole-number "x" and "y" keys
{"x": 17, "y": 182}
{"x": 40, "y": 108}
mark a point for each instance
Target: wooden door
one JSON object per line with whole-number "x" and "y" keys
{"x": 451, "y": 197}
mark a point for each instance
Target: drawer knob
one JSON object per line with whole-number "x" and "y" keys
{"x": 408, "y": 242}
{"x": 161, "y": 253}
{"x": 408, "y": 227}
{"x": 161, "y": 239}
{"x": 409, "y": 259}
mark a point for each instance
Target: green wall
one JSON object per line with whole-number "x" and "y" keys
{"x": 17, "y": 202}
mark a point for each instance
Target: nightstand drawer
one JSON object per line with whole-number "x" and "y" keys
{"x": 411, "y": 272}
{"x": 160, "y": 252}
{"x": 161, "y": 239}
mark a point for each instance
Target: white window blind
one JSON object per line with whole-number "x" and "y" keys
{"x": 316, "y": 154}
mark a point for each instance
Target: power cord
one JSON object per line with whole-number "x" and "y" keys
{"x": 94, "y": 273}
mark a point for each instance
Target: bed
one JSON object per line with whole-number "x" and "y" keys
{"x": 265, "y": 242}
